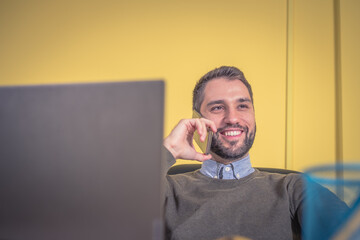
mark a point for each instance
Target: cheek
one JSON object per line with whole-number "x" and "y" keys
{"x": 218, "y": 123}
{"x": 249, "y": 119}
{"x": 217, "y": 120}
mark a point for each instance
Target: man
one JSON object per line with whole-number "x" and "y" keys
{"x": 227, "y": 197}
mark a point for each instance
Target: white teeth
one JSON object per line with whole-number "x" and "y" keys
{"x": 232, "y": 133}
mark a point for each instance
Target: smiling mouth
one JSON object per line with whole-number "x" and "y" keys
{"x": 232, "y": 133}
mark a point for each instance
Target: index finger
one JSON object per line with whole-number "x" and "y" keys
{"x": 209, "y": 124}
{"x": 204, "y": 125}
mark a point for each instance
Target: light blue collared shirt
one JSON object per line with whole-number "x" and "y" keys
{"x": 234, "y": 170}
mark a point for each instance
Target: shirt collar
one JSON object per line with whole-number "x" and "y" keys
{"x": 234, "y": 170}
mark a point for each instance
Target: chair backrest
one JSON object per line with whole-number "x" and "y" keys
{"x": 183, "y": 168}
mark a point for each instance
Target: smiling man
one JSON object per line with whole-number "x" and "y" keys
{"x": 227, "y": 196}
{"x": 228, "y": 104}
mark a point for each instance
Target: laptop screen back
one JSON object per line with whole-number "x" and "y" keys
{"x": 81, "y": 161}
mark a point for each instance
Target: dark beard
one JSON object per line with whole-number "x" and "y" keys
{"x": 219, "y": 149}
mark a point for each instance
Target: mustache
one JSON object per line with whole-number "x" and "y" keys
{"x": 243, "y": 128}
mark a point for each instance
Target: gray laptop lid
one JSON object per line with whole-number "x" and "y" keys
{"x": 81, "y": 161}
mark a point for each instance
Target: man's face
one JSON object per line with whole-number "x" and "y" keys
{"x": 228, "y": 104}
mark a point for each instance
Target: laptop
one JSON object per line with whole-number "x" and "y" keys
{"x": 81, "y": 161}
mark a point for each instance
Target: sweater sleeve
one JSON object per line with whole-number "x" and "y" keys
{"x": 166, "y": 162}
{"x": 312, "y": 201}
{"x": 296, "y": 196}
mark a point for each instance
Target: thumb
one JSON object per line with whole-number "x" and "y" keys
{"x": 201, "y": 157}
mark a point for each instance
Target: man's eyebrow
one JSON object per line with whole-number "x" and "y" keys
{"x": 241, "y": 100}
{"x": 244, "y": 100}
{"x": 214, "y": 102}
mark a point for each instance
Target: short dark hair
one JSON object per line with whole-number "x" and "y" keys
{"x": 231, "y": 73}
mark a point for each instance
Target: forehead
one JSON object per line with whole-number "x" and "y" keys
{"x": 225, "y": 89}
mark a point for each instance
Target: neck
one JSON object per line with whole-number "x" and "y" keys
{"x": 219, "y": 159}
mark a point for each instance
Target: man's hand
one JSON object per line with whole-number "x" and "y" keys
{"x": 180, "y": 140}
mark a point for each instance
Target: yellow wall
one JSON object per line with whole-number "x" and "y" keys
{"x": 323, "y": 133}
{"x": 350, "y": 65}
{"x": 314, "y": 83}
{"x": 179, "y": 41}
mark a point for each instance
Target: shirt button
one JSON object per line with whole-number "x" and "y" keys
{"x": 227, "y": 169}
{"x": 238, "y": 175}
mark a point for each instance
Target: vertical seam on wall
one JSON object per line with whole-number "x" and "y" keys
{"x": 338, "y": 99}
{"x": 289, "y": 87}
{"x": 338, "y": 86}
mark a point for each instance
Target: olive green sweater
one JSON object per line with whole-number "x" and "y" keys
{"x": 259, "y": 206}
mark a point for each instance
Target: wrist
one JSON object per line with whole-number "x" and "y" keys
{"x": 170, "y": 147}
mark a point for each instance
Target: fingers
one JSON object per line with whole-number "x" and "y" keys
{"x": 202, "y": 125}
{"x": 180, "y": 140}
{"x": 212, "y": 126}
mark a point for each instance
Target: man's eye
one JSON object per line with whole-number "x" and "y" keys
{"x": 216, "y": 108}
{"x": 243, "y": 106}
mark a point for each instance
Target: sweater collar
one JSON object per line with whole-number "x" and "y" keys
{"x": 234, "y": 170}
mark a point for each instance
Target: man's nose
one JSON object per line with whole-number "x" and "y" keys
{"x": 232, "y": 116}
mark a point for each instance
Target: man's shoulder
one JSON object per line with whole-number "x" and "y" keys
{"x": 289, "y": 180}
{"x": 185, "y": 177}
{"x": 279, "y": 175}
